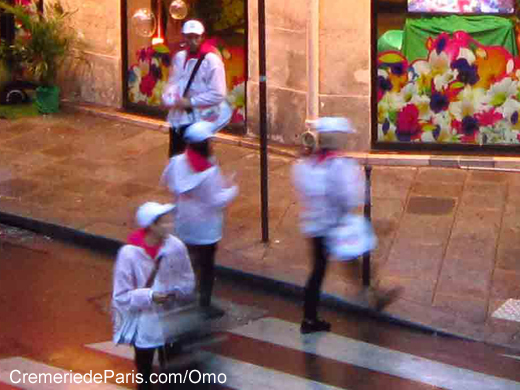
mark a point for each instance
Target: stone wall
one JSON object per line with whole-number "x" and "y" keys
{"x": 98, "y": 79}
{"x": 344, "y": 67}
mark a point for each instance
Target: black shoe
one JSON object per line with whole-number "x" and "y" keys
{"x": 317, "y": 325}
{"x": 213, "y": 311}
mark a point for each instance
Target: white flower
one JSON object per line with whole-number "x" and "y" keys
{"x": 501, "y": 92}
{"x": 237, "y": 98}
{"x": 467, "y": 54}
{"x": 422, "y": 102}
{"x": 509, "y": 108}
{"x": 441, "y": 81}
{"x": 439, "y": 63}
{"x": 409, "y": 92}
{"x": 471, "y": 101}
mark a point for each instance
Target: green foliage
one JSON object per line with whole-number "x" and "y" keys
{"x": 48, "y": 41}
{"x": 221, "y": 15}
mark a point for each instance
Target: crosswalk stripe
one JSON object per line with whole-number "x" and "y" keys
{"x": 239, "y": 375}
{"x": 13, "y": 369}
{"x": 361, "y": 354}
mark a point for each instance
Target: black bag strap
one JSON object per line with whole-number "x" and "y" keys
{"x": 193, "y": 73}
{"x": 151, "y": 278}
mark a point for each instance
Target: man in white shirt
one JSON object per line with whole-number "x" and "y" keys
{"x": 205, "y": 98}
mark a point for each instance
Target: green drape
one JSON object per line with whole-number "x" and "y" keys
{"x": 488, "y": 30}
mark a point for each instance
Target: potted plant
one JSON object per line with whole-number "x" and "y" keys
{"x": 48, "y": 40}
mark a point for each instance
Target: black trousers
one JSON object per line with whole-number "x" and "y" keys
{"x": 177, "y": 143}
{"x": 144, "y": 362}
{"x": 203, "y": 258}
{"x": 313, "y": 286}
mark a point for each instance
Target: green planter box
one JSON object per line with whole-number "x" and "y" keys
{"x": 48, "y": 99}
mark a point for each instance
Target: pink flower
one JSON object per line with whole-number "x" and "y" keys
{"x": 408, "y": 120}
{"x": 489, "y": 118}
{"x": 147, "y": 85}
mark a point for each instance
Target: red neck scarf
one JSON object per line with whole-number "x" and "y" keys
{"x": 137, "y": 239}
{"x": 205, "y": 48}
{"x": 323, "y": 155}
{"x": 198, "y": 162}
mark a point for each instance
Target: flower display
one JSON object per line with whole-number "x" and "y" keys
{"x": 463, "y": 92}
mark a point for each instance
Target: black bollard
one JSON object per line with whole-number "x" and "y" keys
{"x": 367, "y": 213}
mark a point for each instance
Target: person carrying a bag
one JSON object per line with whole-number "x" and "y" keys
{"x": 201, "y": 194}
{"x": 328, "y": 187}
{"x": 196, "y": 89}
{"x": 152, "y": 274}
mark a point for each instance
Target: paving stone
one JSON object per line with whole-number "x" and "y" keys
{"x": 414, "y": 261}
{"x": 392, "y": 183}
{"x": 430, "y": 205}
{"x": 477, "y": 252}
{"x": 469, "y": 308}
{"x": 505, "y": 285}
{"x": 415, "y": 290}
{"x": 437, "y": 190}
{"x": 484, "y": 195}
{"x": 508, "y": 256}
{"x": 425, "y": 229}
{"x": 487, "y": 176}
{"x": 445, "y": 175}
{"x": 457, "y": 279}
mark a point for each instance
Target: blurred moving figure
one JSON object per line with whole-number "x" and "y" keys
{"x": 201, "y": 194}
{"x": 328, "y": 187}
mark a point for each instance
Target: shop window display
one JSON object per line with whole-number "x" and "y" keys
{"x": 455, "y": 80}
{"x": 155, "y": 37}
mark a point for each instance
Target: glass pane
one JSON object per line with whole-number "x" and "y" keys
{"x": 459, "y": 85}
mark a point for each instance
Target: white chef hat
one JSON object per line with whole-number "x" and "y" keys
{"x": 199, "y": 131}
{"x": 148, "y": 213}
{"x": 193, "y": 27}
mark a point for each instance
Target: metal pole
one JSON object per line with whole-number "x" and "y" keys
{"x": 367, "y": 212}
{"x": 264, "y": 185}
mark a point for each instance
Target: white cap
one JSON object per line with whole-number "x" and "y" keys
{"x": 150, "y": 211}
{"x": 199, "y": 131}
{"x": 193, "y": 27}
{"x": 332, "y": 124}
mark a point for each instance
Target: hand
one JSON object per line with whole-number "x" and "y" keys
{"x": 183, "y": 103}
{"x": 160, "y": 298}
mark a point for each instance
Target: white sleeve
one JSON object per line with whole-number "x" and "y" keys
{"x": 171, "y": 89}
{"x": 126, "y": 293}
{"x": 215, "y": 193}
{"x": 348, "y": 183}
{"x": 186, "y": 284}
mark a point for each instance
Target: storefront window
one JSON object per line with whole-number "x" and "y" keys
{"x": 448, "y": 72}
{"x": 153, "y": 36}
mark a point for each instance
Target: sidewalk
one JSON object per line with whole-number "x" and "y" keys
{"x": 448, "y": 238}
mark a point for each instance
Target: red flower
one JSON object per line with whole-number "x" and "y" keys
{"x": 147, "y": 85}
{"x": 489, "y": 118}
{"x": 408, "y": 120}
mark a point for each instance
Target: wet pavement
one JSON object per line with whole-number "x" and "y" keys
{"x": 448, "y": 238}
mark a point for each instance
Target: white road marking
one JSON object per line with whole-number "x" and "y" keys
{"x": 373, "y": 357}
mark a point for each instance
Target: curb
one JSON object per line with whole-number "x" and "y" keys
{"x": 111, "y": 246}
{"x": 375, "y": 158}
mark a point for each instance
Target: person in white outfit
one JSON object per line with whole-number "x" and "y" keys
{"x": 328, "y": 185}
{"x": 153, "y": 273}
{"x": 205, "y": 98}
{"x": 201, "y": 194}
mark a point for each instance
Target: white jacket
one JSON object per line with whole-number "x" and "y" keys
{"x": 207, "y": 93}
{"x": 326, "y": 190}
{"x": 200, "y": 198}
{"x": 136, "y": 316}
